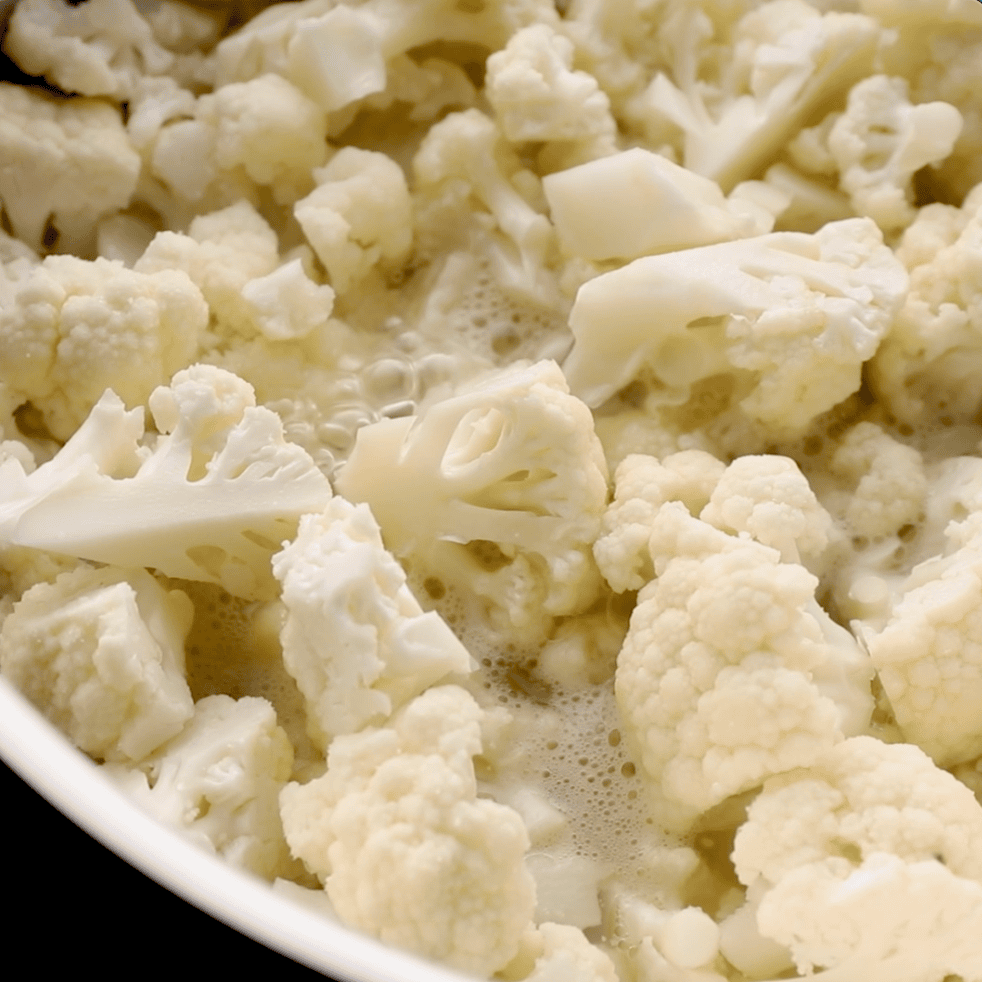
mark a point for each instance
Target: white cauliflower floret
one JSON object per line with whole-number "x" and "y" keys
{"x": 67, "y": 162}
{"x": 72, "y": 328}
{"x": 339, "y": 53}
{"x": 359, "y": 214}
{"x": 564, "y": 954}
{"x": 888, "y": 484}
{"x": 100, "y": 47}
{"x": 928, "y": 653}
{"x": 287, "y": 304}
{"x": 354, "y": 637}
{"x": 642, "y": 484}
{"x": 509, "y": 484}
{"x": 790, "y": 317}
{"x": 101, "y": 653}
{"x": 464, "y": 160}
{"x": 221, "y": 252}
{"x": 769, "y": 498}
{"x": 730, "y": 671}
{"x": 265, "y": 129}
{"x": 211, "y": 499}
{"x": 788, "y": 60}
{"x": 536, "y": 94}
{"x": 869, "y": 865}
{"x": 603, "y": 209}
{"x": 881, "y": 141}
{"x": 218, "y": 782}
{"x": 406, "y": 849}
{"x": 929, "y": 363}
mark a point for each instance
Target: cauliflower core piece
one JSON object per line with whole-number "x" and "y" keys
{"x": 101, "y": 653}
{"x": 406, "y": 849}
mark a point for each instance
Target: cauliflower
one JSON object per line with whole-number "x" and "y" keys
{"x": 406, "y": 849}
{"x": 73, "y": 328}
{"x": 880, "y": 142}
{"x": 886, "y": 480}
{"x": 463, "y": 156}
{"x": 563, "y": 954}
{"x": 768, "y": 498}
{"x": 604, "y": 209}
{"x": 101, "y": 653}
{"x": 536, "y": 94}
{"x": 287, "y": 304}
{"x": 218, "y": 782}
{"x": 235, "y": 489}
{"x": 339, "y": 53}
{"x": 509, "y": 483}
{"x": 642, "y": 484}
{"x": 359, "y": 213}
{"x": 65, "y": 162}
{"x": 221, "y": 252}
{"x": 265, "y": 131}
{"x": 927, "y": 366}
{"x": 98, "y": 48}
{"x": 928, "y": 653}
{"x": 354, "y": 636}
{"x": 730, "y": 671}
{"x": 788, "y": 60}
{"x": 869, "y": 864}
{"x": 790, "y": 317}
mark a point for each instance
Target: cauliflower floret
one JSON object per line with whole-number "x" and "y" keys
{"x": 769, "y": 498}
{"x": 788, "y": 60}
{"x": 221, "y": 252}
{"x": 354, "y": 637}
{"x": 287, "y": 304}
{"x": 730, "y": 671}
{"x": 67, "y": 162}
{"x": 604, "y": 209}
{"x": 100, "y": 47}
{"x": 870, "y": 865}
{"x": 929, "y": 363}
{"x": 101, "y": 653}
{"x": 509, "y": 484}
{"x": 265, "y": 130}
{"x": 881, "y": 141}
{"x": 211, "y": 499}
{"x": 888, "y": 482}
{"x": 72, "y": 328}
{"x": 563, "y": 954}
{"x": 642, "y": 484}
{"x": 789, "y": 317}
{"x": 928, "y": 653}
{"x": 463, "y": 161}
{"x": 537, "y": 96}
{"x": 406, "y": 849}
{"x": 218, "y": 782}
{"x": 339, "y": 53}
{"x": 359, "y": 214}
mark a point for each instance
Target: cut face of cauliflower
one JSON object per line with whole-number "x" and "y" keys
{"x": 355, "y": 638}
{"x": 101, "y": 653}
{"x": 790, "y": 317}
{"x": 218, "y": 782}
{"x": 235, "y": 487}
{"x": 509, "y": 482}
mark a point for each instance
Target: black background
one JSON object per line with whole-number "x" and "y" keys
{"x": 73, "y": 903}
